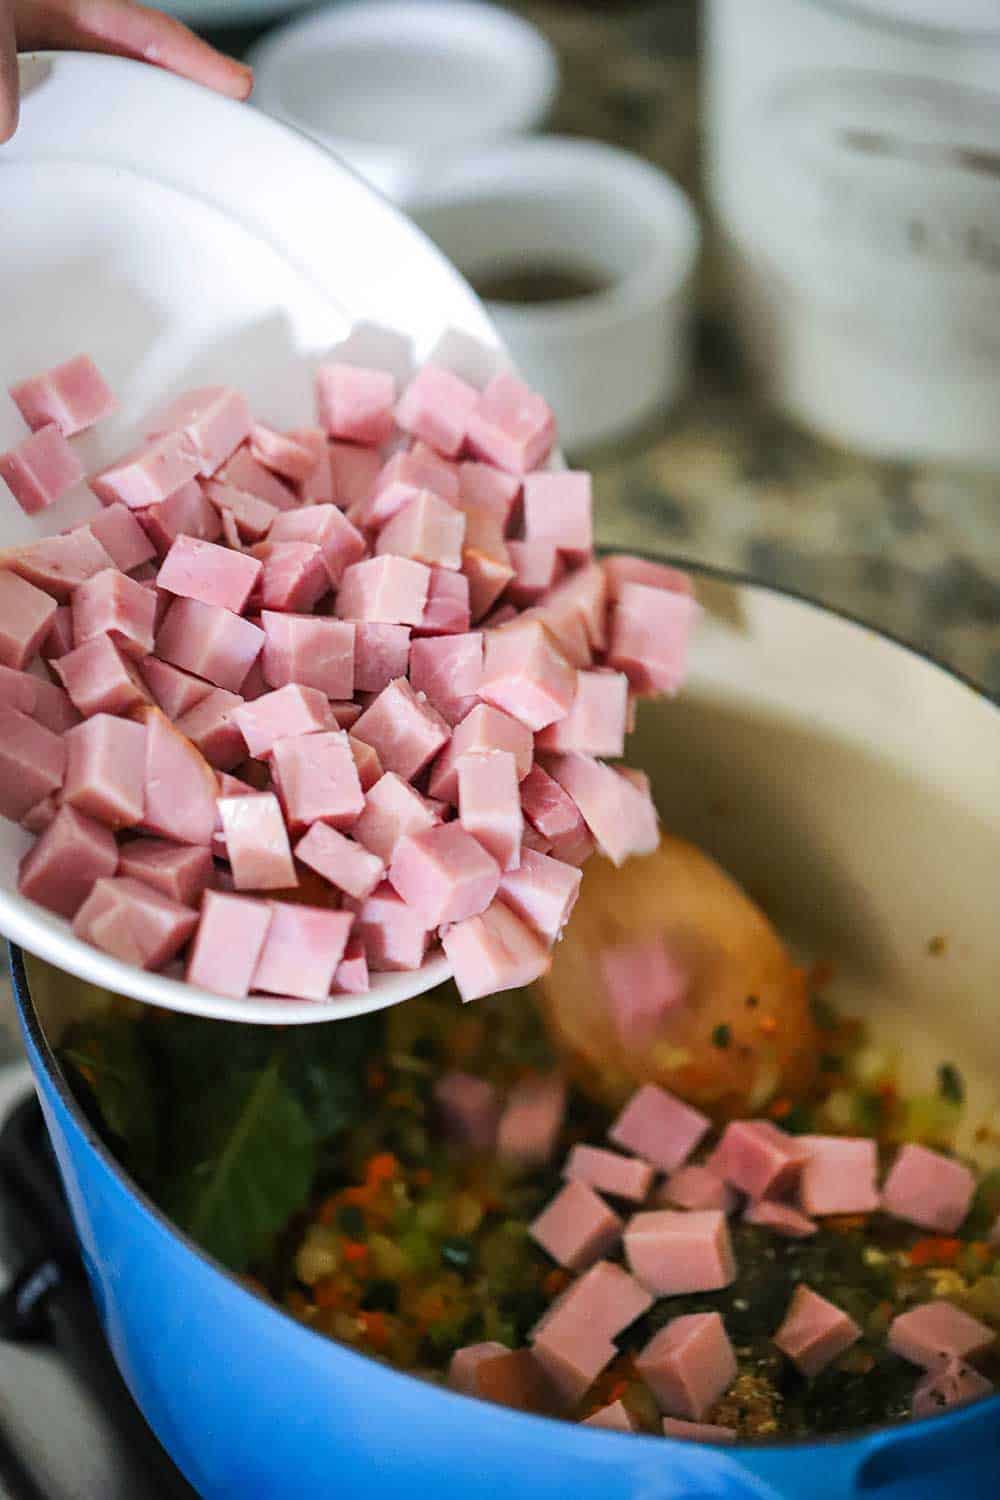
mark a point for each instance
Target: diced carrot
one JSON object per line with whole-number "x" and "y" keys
{"x": 381, "y": 1168}
{"x": 555, "y": 1281}
{"x": 327, "y": 1293}
{"x": 360, "y": 1196}
{"x": 781, "y": 1108}
{"x": 355, "y": 1253}
{"x": 936, "y": 1250}
{"x": 767, "y": 1025}
{"x": 374, "y": 1329}
{"x": 422, "y": 1177}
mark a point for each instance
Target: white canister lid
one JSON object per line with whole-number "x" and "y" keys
{"x": 938, "y": 15}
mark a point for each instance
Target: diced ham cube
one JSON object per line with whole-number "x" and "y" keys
{"x": 205, "y": 571}
{"x": 758, "y": 1159}
{"x": 839, "y": 1176}
{"x": 572, "y": 1359}
{"x": 316, "y": 652}
{"x": 122, "y": 538}
{"x": 294, "y": 577}
{"x": 32, "y": 763}
{"x": 483, "y": 485}
{"x": 345, "y": 863}
{"x": 327, "y": 528}
{"x": 134, "y": 923}
{"x": 526, "y": 675}
{"x": 228, "y": 944}
{"x": 436, "y": 407}
{"x": 356, "y": 404}
{"x": 936, "y": 1332}
{"x": 405, "y": 731}
{"x": 688, "y": 1365}
{"x": 187, "y": 512}
{"x": 448, "y": 610}
{"x": 365, "y": 758}
{"x": 53, "y": 707}
{"x": 381, "y": 654}
{"x": 483, "y": 728}
{"x": 577, "y": 1228}
{"x": 923, "y": 1187}
{"x": 547, "y": 807}
{"x": 244, "y": 474}
{"x": 484, "y": 532}
{"x": 283, "y": 714}
{"x": 607, "y": 1172}
{"x": 99, "y": 679}
{"x": 512, "y": 1377}
{"x": 59, "y": 637}
{"x": 41, "y": 469}
{"x": 302, "y": 951}
{"x": 698, "y": 1432}
{"x": 558, "y": 508}
{"x": 354, "y": 472}
{"x": 486, "y": 578}
{"x": 210, "y": 642}
{"x": 468, "y": 1109}
{"x": 448, "y": 670}
{"x": 180, "y": 784}
{"x": 650, "y": 633}
{"x": 613, "y": 1418}
{"x": 511, "y": 426}
{"x": 595, "y": 723}
{"x": 181, "y": 871}
{"x": 150, "y": 474}
{"x": 212, "y": 726}
{"x": 387, "y": 590}
{"x": 318, "y": 779}
{"x": 401, "y": 480}
{"x": 393, "y": 934}
{"x": 537, "y": 568}
{"x": 106, "y": 770}
{"x": 618, "y": 813}
{"x": 659, "y": 1127}
{"x": 532, "y": 1119}
{"x": 257, "y": 842}
{"x": 251, "y": 516}
{"x": 782, "y": 1218}
{"x": 675, "y": 1253}
{"x": 622, "y": 568}
{"x": 814, "y": 1332}
{"x": 462, "y": 1371}
{"x": 282, "y": 453}
{"x": 112, "y": 603}
{"x": 542, "y": 891}
{"x": 644, "y": 982}
{"x": 214, "y": 420}
{"x": 426, "y": 529}
{"x": 18, "y": 690}
{"x": 60, "y": 870}
{"x": 605, "y": 1298}
{"x": 72, "y": 396}
{"x": 351, "y": 977}
{"x": 696, "y": 1187}
{"x": 489, "y": 805}
{"x": 59, "y": 564}
{"x": 581, "y": 599}
{"x": 392, "y": 811}
{"x": 444, "y": 874}
{"x": 175, "y": 691}
{"x": 492, "y": 952}
{"x": 955, "y": 1384}
{"x": 26, "y": 616}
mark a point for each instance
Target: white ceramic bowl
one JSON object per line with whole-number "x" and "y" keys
{"x": 398, "y": 88}
{"x": 184, "y": 240}
{"x": 609, "y": 361}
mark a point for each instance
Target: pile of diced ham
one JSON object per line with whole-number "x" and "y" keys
{"x": 675, "y": 1241}
{"x": 377, "y": 649}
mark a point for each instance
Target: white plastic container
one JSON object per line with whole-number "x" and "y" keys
{"x": 853, "y": 158}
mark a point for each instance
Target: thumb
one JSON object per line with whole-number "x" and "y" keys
{"x": 8, "y": 71}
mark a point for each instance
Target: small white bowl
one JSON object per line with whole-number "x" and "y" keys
{"x": 607, "y": 361}
{"x": 399, "y": 87}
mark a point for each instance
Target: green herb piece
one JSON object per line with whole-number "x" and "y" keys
{"x": 985, "y": 1206}
{"x": 457, "y": 1252}
{"x": 111, "y": 1075}
{"x": 951, "y": 1085}
{"x": 722, "y": 1036}
{"x": 823, "y": 1013}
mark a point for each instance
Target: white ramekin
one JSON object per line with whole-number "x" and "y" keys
{"x": 609, "y": 361}
{"x": 397, "y": 88}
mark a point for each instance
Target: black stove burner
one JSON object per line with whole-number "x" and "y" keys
{"x": 48, "y": 1302}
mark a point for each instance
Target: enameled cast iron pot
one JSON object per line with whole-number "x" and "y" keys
{"x": 853, "y": 786}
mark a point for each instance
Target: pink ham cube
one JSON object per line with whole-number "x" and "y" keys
{"x": 426, "y": 529}
{"x": 782, "y": 1218}
{"x": 923, "y": 1187}
{"x": 650, "y": 634}
{"x": 210, "y": 642}
{"x": 595, "y": 724}
{"x": 402, "y": 479}
{"x": 448, "y": 670}
{"x": 490, "y": 488}
{"x": 541, "y": 891}
{"x": 351, "y": 977}
{"x": 134, "y": 923}
{"x": 381, "y": 654}
{"x": 73, "y": 396}
{"x": 175, "y": 691}
{"x": 492, "y": 952}
{"x": 484, "y": 532}
{"x": 698, "y": 1188}
{"x": 513, "y": 1378}
{"x": 393, "y": 934}
{"x": 839, "y": 1175}
{"x": 365, "y": 758}
{"x": 148, "y": 475}
{"x": 537, "y": 568}
{"x": 318, "y": 779}
{"x": 605, "y": 1298}
{"x": 489, "y": 807}
{"x": 532, "y": 1118}
{"x": 571, "y": 1360}
{"x": 526, "y": 675}
{"x": 205, "y": 571}
{"x": 228, "y": 943}
{"x": 114, "y": 604}
{"x": 436, "y": 407}
{"x": 486, "y": 576}
{"x": 758, "y": 1159}
{"x": 211, "y": 725}
{"x": 53, "y": 707}
{"x": 313, "y": 651}
{"x": 18, "y": 690}
{"x": 936, "y": 1332}
{"x": 327, "y": 528}
{"x": 302, "y": 951}
{"x": 444, "y": 874}
{"x": 547, "y": 807}
{"x": 283, "y": 453}
{"x": 32, "y": 763}
{"x": 99, "y": 679}
{"x": 577, "y": 1228}
{"x": 468, "y": 1109}
{"x": 243, "y": 517}
{"x": 612, "y": 1418}
{"x": 607, "y": 1172}
{"x": 619, "y": 813}
{"x": 317, "y": 488}
{"x": 387, "y": 590}
{"x": 644, "y": 982}
{"x": 244, "y": 474}
{"x": 622, "y": 568}
{"x": 181, "y": 788}
{"x": 181, "y": 871}
{"x": 954, "y": 1384}
{"x": 674, "y": 1253}
{"x": 214, "y": 420}
{"x": 698, "y": 1432}
{"x": 558, "y": 508}
{"x": 688, "y": 1365}
{"x": 353, "y": 475}
{"x": 283, "y": 714}
{"x": 41, "y": 469}
{"x": 187, "y": 512}
{"x": 345, "y": 863}
{"x": 814, "y": 1332}
{"x": 294, "y": 577}
{"x": 59, "y": 637}
{"x": 355, "y": 404}
{"x": 106, "y": 770}
{"x": 60, "y": 870}
{"x": 122, "y": 538}
{"x": 659, "y": 1127}
{"x": 257, "y": 843}
{"x": 392, "y": 811}
{"x": 405, "y": 731}
{"x": 59, "y": 564}
{"x": 511, "y": 426}
{"x": 579, "y": 599}
{"x": 448, "y": 609}
{"x": 462, "y": 1371}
